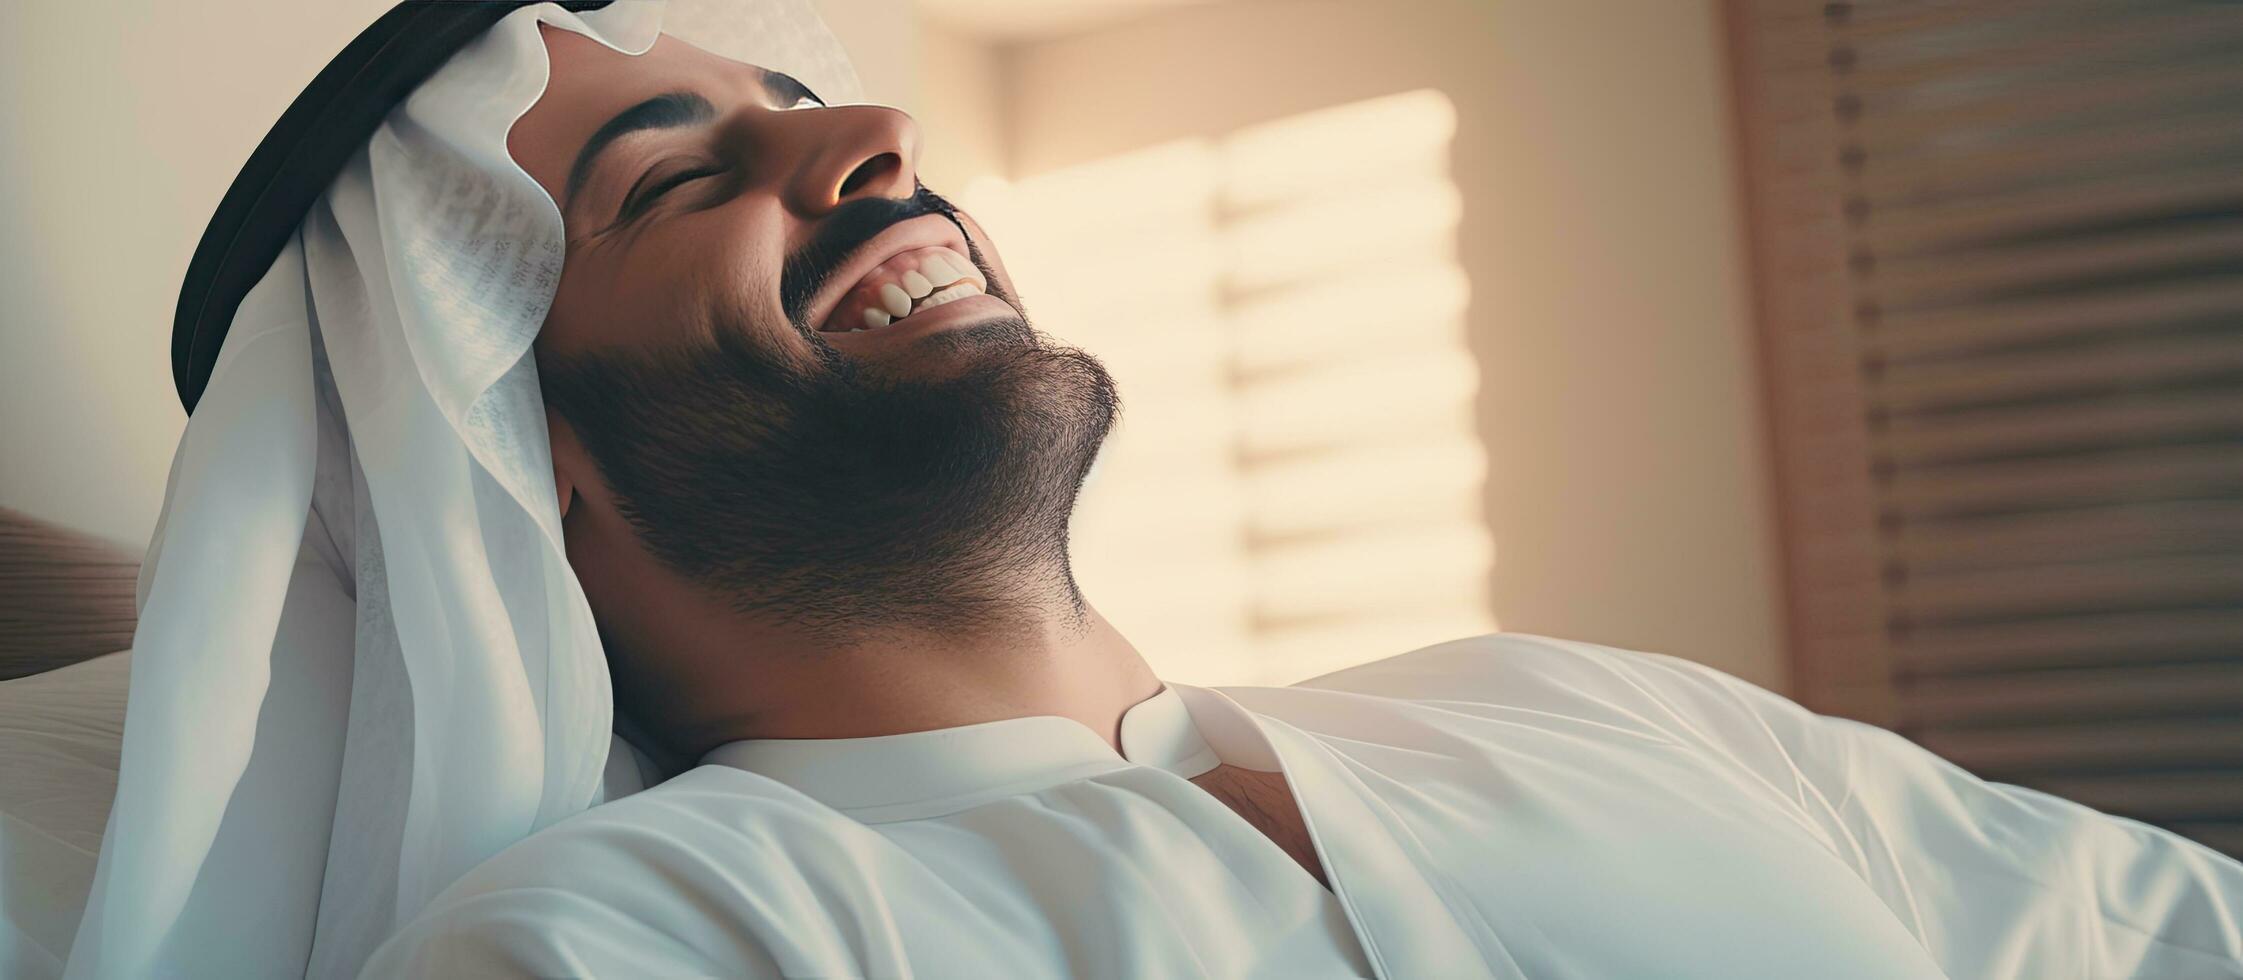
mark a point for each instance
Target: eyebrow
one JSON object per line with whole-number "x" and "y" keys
{"x": 666, "y": 111}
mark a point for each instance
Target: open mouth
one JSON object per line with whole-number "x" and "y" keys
{"x": 907, "y": 283}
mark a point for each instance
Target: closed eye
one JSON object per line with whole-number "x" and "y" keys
{"x": 791, "y": 93}
{"x": 644, "y": 199}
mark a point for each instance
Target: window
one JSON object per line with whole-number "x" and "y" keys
{"x": 1283, "y": 309}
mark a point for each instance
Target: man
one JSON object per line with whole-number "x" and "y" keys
{"x": 814, "y": 468}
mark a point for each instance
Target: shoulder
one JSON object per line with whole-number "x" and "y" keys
{"x": 701, "y": 816}
{"x": 1501, "y": 665}
{"x": 1683, "y": 700}
{"x": 677, "y": 875}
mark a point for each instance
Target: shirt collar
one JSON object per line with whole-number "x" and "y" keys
{"x": 919, "y": 770}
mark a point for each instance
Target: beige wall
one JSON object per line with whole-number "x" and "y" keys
{"x": 124, "y": 122}
{"x": 1608, "y": 305}
{"x": 1602, "y": 239}
{"x": 960, "y": 103}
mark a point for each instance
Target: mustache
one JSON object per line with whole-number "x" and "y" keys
{"x": 840, "y": 235}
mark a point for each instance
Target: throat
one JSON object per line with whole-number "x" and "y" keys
{"x": 1264, "y": 801}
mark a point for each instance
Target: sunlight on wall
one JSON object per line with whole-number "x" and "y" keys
{"x": 1295, "y": 485}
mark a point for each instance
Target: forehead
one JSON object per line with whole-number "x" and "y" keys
{"x": 591, "y": 82}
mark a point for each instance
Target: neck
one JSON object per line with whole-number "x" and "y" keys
{"x": 1066, "y": 660}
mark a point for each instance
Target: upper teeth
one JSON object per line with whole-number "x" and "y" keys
{"x": 941, "y": 278}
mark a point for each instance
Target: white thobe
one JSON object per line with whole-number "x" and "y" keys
{"x": 1505, "y": 806}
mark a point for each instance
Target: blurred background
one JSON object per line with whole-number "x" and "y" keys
{"x": 1884, "y": 354}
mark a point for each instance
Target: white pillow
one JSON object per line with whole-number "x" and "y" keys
{"x": 59, "y": 733}
{"x": 59, "y": 737}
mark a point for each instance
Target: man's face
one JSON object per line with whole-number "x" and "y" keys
{"x": 687, "y": 182}
{"x": 780, "y": 371}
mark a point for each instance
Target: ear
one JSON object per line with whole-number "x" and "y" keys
{"x": 569, "y": 460}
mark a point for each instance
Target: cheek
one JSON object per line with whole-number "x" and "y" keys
{"x": 588, "y": 306}
{"x": 671, "y": 283}
{"x": 604, "y": 303}
{"x": 732, "y": 282}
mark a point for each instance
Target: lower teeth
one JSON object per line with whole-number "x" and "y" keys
{"x": 941, "y": 296}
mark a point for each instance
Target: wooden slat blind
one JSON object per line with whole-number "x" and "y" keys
{"x": 1999, "y": 258}
{"x": 65, "y": 596}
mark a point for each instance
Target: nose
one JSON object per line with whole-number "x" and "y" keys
{"x": 850, "y": 152}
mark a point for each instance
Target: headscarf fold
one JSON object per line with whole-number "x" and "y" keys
{"x": 363, "y": 664}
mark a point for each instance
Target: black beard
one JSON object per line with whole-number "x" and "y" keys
{"x": 842, "y": 499}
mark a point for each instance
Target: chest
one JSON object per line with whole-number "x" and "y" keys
{"x": 1588, "y": 855}
{"x": 1266, "y": 803}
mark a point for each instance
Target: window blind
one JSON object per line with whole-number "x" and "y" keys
{"x": 64, "y": 596}
{"x": 1998, "y": 254}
